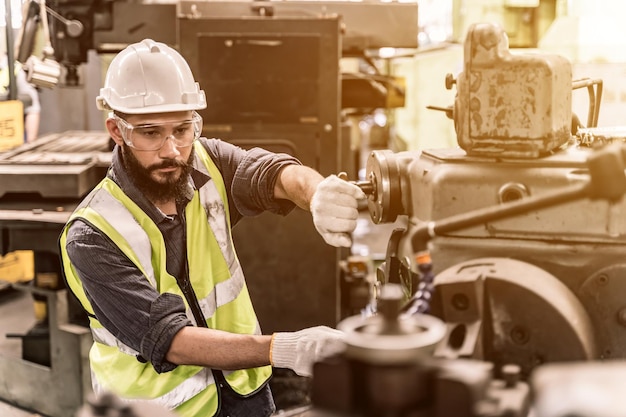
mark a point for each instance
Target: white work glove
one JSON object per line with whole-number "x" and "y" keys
{"x": 299, "y": 350}
{"x": 334, "y": 207}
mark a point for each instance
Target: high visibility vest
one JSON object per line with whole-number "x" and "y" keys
{"x": 216, "y": 277}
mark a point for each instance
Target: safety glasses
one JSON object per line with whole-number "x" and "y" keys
{"x": 152, "y": 136}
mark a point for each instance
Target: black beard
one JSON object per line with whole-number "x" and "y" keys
{"x": 158, "y": 192}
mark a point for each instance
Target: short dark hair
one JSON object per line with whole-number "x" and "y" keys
{"x": 120, "y": 114}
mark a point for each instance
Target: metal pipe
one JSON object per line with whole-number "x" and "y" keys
{"x": 10, "y": 51}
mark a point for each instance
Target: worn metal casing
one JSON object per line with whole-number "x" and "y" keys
{"x": 511, "y": 105}
{"x": 580, "y": 243}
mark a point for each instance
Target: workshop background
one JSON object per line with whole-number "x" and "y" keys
{"x": 452, "y": 128}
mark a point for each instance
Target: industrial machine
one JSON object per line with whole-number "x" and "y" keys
{"x": 513, "y": 241}
{"x": 41, "y": 184}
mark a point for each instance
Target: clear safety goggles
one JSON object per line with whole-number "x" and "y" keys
{"x": 152, "y": 136}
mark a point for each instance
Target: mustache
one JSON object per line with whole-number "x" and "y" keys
{"x": 170, "y": 163}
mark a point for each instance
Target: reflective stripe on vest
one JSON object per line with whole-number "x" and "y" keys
{"x": 224, "y": 292}
{"x": 120, "y": 218}
{"x": 110, "y": 210}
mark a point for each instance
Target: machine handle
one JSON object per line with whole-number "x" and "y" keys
{"x": 607, "y": 181}
{"x": 367, "y": 186}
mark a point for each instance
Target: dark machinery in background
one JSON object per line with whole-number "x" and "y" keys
{"x": 271, "y": 71}
{"x": 40, "y": 185}
{"x": 255, "y": 99}
{"x": 76, "y": 26}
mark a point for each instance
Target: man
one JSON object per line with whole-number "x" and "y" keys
{"x": 149, "y": 251}
{"x": 26, "y": 93}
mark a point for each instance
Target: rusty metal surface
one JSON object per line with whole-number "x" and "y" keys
{"x": 446, "y": 183}
{"x": 511, "y": 105}
{"x": 60, "y": 165}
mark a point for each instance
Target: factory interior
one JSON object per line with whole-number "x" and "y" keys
{"x": 483, "y": 276}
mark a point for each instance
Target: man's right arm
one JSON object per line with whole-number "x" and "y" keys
{"x": 218, "y": 349}
{"x": 297, "y": 351}
{"x": 156, "y": 324}
{"x": 153, "y": 324}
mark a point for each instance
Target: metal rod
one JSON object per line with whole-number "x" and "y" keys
{"x": 480, "y": 216}
{"x": 510, "y": 209}
{"x": 10, "y": 51}
{"x": 595, "y": 97}
{"x": 57, "y": 15}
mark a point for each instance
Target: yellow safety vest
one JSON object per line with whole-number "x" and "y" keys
{"x": 215, "y": 275}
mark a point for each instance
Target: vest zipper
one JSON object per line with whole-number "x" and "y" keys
{"x": 194, "y": 305}
{"x": 184, "y": 282}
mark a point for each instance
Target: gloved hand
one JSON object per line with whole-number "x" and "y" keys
{"x": 335, "y": 210}
{"x": 299, "y": 350}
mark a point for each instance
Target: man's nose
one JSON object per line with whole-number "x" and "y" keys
{"x": 169, "y": 148}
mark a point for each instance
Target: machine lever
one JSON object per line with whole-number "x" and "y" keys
{"x": 367, "y": 186}
{"x": 449, "y": 111}
{"x": 607, "y": 181}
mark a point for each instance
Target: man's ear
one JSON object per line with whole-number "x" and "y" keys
{"x": 114, "y": 131}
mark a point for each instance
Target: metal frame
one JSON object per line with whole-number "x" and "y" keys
{"x": 61, "y": 168}
{"x": 58, "y": 390}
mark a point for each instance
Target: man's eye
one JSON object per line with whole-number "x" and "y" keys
{"x": 150, "y": 133}
{"x": 180, "y": 130}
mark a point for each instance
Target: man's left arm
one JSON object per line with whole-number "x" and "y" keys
{"x": 332, "y": 201}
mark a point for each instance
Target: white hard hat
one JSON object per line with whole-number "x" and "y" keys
{"x": 150, "y": 77}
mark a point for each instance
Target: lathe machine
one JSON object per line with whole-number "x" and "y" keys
{"x": 503, "y": 293}
{"x": 506, "y": 279}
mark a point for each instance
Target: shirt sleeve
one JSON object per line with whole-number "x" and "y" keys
{"x": 123, "y": 300}
{"x": 250, "y": 176}
{"x": 24, "y": 87}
